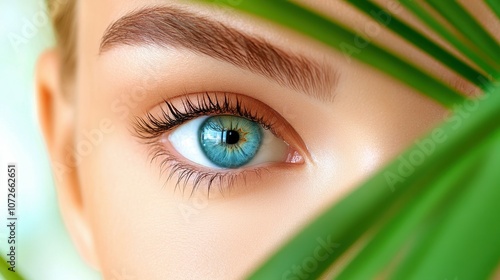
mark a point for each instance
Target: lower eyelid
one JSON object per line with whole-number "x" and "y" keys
{"x": 189, "y": 178}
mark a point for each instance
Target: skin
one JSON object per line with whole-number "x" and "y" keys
{"x": 123, "y": 215}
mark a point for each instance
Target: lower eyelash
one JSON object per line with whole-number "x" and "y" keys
{"x": 185, "y": 173}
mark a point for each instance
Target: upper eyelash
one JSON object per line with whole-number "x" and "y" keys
{"x": 151, "y": 126}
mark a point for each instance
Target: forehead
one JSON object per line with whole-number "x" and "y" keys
{"x": 95, "y": 17}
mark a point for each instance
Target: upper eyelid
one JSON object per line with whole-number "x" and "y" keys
{"x": 144, "y": 129}
{"x": 210, "y": 105}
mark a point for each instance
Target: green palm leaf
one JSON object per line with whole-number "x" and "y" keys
{"x": 6, "y": 273}
{"x": 412, "y": 35}
{"x": 431, "y": 213}
{"x": 341, "y": 38}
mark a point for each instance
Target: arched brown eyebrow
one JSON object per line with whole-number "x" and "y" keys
{"x": 173, "y": 27}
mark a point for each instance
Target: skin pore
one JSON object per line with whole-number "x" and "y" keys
{"x": 345, "y": 120}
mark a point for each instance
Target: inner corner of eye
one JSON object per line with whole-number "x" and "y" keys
{"x": 229, "y": 142}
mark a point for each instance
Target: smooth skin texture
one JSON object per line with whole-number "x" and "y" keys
{"x": 124, "y": 215}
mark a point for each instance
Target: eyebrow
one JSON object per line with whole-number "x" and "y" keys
{"x": 170, "y": 26}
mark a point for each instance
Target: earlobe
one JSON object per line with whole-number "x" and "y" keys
{"x": 56, "y": 115}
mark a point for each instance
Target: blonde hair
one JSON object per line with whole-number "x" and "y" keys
{"x": 63, "y": 15}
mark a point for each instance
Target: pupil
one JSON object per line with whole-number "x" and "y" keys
{"x": 232, "y": 137}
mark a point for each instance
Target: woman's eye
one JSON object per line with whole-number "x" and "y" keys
{"x": 200, "y": 138}
{"x": 227, "y": 141}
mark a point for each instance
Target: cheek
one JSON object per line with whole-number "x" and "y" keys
{"x": 376, "y": 125}
{"x": 131, "y": 218}
{"x": 142, "y": 226}
{"x": 371, "y": 120}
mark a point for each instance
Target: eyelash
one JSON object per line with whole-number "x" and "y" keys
{"x": 151, "y": 128}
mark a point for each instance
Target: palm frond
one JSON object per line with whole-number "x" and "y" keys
{"x": 432, "y": 212}
{"x": 341, "y": 38}
{"x": 413, "y": 36}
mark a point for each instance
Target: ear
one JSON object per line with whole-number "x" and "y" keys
{"x": 56, "y": 115}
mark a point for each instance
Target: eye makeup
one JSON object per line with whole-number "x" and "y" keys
{"x": 154, "y": 127}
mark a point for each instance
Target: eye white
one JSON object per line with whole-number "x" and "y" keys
{"x": 185, "y": 140}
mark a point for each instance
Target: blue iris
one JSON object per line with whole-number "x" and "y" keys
{"x": 230, "y": 141}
